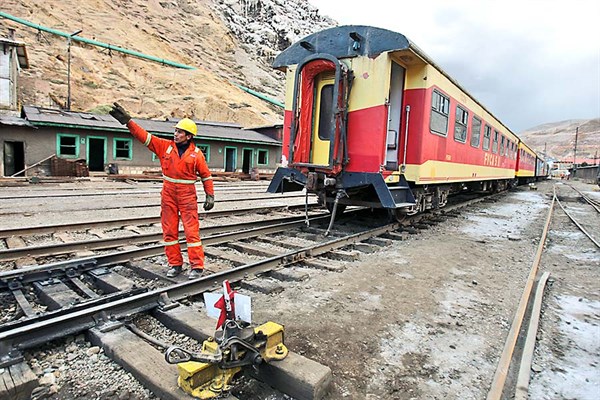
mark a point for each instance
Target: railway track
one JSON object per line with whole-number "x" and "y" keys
{"x": 512, "y": 376}
{"x": 107, "y": 289}
{"x": 282, "y": 244}
{"x": 132, "y": 231}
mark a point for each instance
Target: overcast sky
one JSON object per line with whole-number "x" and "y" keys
{"x": 529, "y": 62}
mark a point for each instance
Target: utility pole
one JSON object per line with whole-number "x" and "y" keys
{"x": 575, "y": 152}
{"x": 69, "y": 67}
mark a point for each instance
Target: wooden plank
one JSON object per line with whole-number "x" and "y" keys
{"x": 328, "y": 266}
{"x": 14, "y": 242}
{"x": 23, "y": 303}
{"x": 17, "y": 382}
{"x": 110, "y": 282}
{"x": 146, "y": 363}
{"x": 55, "y": 294}
{"x": 252, "y": 249}
{"x": 230, "y": 256}
{"x": 296, "y": 376}
{"x": 84, "y": 288}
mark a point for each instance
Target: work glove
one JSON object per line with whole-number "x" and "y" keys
{"x": 119, "y": 113}
{"x": 209, "y": 203}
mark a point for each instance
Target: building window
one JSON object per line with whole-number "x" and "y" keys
{"x": 263, "y": 157}
{"x": 122, "y": 149}
{"x": 440, "y": 108}
{"x": 487, "y": 134}
{"x": 67, "y": 146}
{"x": 205, "y": 149}
{"x": 495, "y": 142}
{"x": 476, "y": 132}
{"x": 460, "y": 125}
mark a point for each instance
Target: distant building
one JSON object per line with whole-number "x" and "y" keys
{"x": 100, "y": 140}
{"x": 13, "y": 57}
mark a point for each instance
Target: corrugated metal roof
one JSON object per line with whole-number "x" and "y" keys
{"x": 51, "y": 116}
{"x": 206, "y": 130}
{"x": 210, "y": 130}
{"x": 14, "y": 121}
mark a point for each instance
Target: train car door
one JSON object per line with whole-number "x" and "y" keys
{"x": 394, "y": 116}
{"x": 321, "y": 142}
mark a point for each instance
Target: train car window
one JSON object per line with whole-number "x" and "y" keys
{"x": 502, "y": 144}
{"x": 476, "y": 132}
{"x": 487, "y": 134}
{"x": 325, "y": 112}
{"x": 440, "y": 108}
{"x": 495, "y": 142}
{"x": 460, "y": 125}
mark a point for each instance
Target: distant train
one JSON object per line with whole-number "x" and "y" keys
{"x": 371, "y": 120}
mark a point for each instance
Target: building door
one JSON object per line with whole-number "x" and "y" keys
{"x": 14, "y": 158}
{"x": 394, "y": 117}
{"x": 96, "y": 153}
{"x": 246, "y": 160}
{"x": 230, "y": 159}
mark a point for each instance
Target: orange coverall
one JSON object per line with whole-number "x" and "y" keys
{"x": 178, "y": 196}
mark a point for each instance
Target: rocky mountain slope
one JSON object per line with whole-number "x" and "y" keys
{"x": 228, "y": 41}
{"x": 558, "y": 139}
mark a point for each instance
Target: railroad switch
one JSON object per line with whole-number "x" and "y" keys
{"x": 209, "y": 374}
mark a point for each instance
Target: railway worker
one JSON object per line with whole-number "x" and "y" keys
{"x": 181, "y": 162}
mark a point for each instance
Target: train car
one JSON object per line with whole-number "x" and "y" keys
{"x": 371, "y": 120}
{"x": 526, "y": 164}
{"x": 542, "y": 168}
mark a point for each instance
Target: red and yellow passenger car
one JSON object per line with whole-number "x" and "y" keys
{"x": 371, "y": 120}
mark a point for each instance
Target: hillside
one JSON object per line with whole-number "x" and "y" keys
{"x": 558, "y": 139}
{"x": 227, "y": 41}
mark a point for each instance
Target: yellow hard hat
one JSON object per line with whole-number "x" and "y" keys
{"x": 187, "y": 125}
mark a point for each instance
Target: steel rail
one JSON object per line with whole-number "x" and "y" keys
{"x": 594, "y": 203}
{"x": 148, "y": 205}
{"x": 521, "y": 390}
{"x": 128, "y": 191}
{"x": 5, "y": 233}
{"x": 15, "y": 278}
{"x": 581, "y": 228}
{"x": 13, "y": 341}
{"x": 134, "y": 239}
{"x": 499, "y": 380}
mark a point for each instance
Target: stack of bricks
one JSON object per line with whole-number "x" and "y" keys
{"x": 62, "y": 167}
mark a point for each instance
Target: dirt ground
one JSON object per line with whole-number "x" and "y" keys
{"x": 424, "y": 318}
{"x": 427, "y": 318}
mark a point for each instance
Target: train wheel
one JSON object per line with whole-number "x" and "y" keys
{"x": 397, "y": 215}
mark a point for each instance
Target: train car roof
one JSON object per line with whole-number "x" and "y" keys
{"x": 340, "y": 42}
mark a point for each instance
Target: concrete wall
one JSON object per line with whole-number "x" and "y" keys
{"x": 42, "y": 142}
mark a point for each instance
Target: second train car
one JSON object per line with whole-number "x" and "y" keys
{"x": 371, "y": 120}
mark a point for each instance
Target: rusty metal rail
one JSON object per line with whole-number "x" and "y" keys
{"x": 14, "y": 340}
{"x": 134, "y": 239}
{"x": 79, "y": 226}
